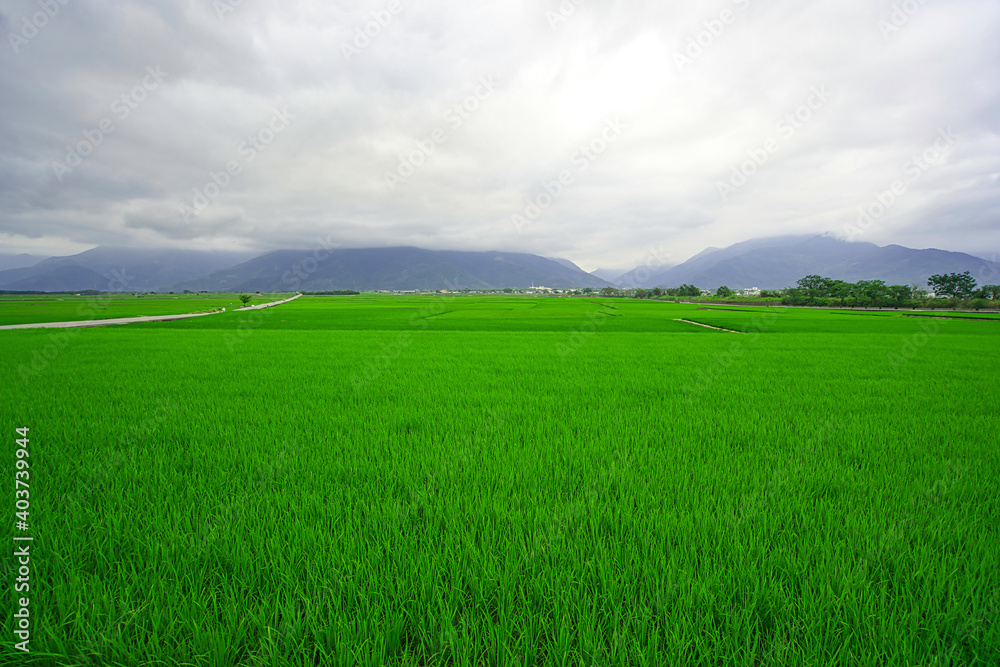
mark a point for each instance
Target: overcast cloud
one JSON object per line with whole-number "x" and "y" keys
{"x": 259, "y": 124}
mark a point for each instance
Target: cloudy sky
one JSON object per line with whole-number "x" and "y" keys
{"x": 612, "y": 133}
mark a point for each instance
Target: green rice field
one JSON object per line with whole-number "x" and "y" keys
{"x": 464, "y": 480}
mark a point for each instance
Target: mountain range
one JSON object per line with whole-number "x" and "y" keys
{"x": 108, "y": 268}
{"x": 18, "y": 261}
{"x": 766, "y": 263}
{"x": 363, "y": 269}
{"x": 368, "y": 269}
{"x": 779, "y": 262}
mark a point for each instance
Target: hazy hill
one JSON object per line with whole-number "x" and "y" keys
{"x": 770, "y": 262}
{"x": 68, "y": 278}
{"x": 565, "y": 262}
{"x": 393, "y": 269}
{"x": 781, "y": 261}
{"x": 611, "y": 275}
{"x": 141, "y": 269}
{"x": 18, "y": 261}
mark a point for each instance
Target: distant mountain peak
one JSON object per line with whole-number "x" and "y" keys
{"x": 398, "y": 268}
{"x": 779, "y": 262}
{"x": 143, "y": 269}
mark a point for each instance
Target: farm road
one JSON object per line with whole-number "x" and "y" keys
{"x": 129, "y": 320}
{"x": 273, "y": 303}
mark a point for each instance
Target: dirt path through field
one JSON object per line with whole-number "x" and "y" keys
{"x": 101, "y": 323}
{"x": 273, "y": 303}
{"x": 707, "y": 326}
{"x": 129, "y": 320}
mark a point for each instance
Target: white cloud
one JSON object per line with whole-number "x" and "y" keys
{"x": 656, "y": 185}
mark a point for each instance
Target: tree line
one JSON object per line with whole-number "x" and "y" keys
{"x": 953, "y": 290}
{"x": 652, "y": 293}
{"x": 814, "y": 290}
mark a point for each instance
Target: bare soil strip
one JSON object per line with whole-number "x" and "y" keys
{"x": 707, "y": 326}
{"x": 272, "y": 303}
{"x": 102, "y": 323}
{"x": 952, "y": 317}
{"x": 129, "y": 320}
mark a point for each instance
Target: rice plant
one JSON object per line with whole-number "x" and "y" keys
{"x": 491, "y": 498}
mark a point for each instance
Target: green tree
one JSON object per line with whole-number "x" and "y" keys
{"x": 813, "y": 285}
{"x": 899, "y": 294}
{"x": 609, "y": 291}
{"x": 688, "y": 290}
{"x": 957, "y": 285}
{"x": 842, "y": 290}
{"x": 245, "y": 298}
{"x": 792, "y": 296}
{"x": 991, "y": 291}
{"x": 872, "y": 292}
{"x": 724, "y": 291}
